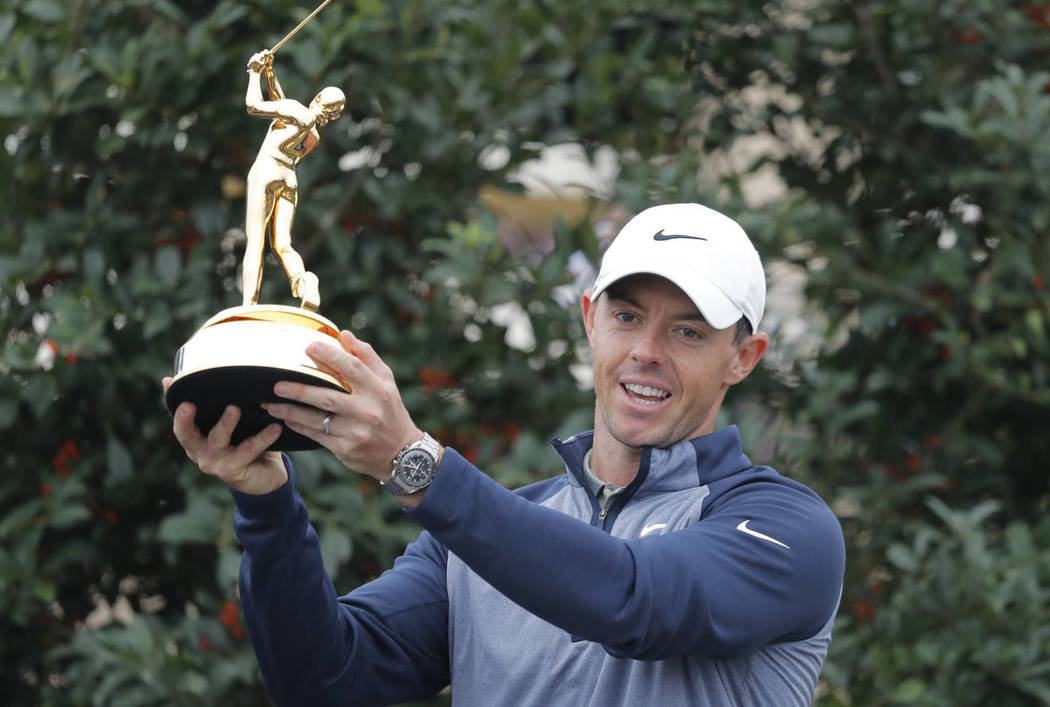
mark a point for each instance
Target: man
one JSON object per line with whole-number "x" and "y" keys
{"x": 272, "y": 189}
{"x": 662, "y": 568}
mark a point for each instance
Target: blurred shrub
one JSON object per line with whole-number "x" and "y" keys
{"x": 963, "y": 620}
{"x": 126, "y": 143}
{"x": 912, "y": 142}
{"x": 909, "y": 146}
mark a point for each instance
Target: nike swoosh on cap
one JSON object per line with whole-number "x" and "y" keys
{"x": 661, "y": 236}
{"x": 754, "y": 533}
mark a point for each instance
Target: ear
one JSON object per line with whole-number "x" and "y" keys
{"x": 748, "y": 354}
{"x": 588, "y": 307}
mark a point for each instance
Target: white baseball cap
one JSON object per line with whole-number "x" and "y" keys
{"x": 704, "y": 252}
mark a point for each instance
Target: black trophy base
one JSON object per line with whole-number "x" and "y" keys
{"x": 247, "y": 387}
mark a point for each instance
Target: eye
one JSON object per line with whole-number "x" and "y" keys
{"x": 690, "y": 333}
{"x": 626, "y": 317}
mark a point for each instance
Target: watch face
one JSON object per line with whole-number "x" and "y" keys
{"x": 416, "y": 468}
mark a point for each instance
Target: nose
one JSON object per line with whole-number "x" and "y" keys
{"x": 648, "y": 348}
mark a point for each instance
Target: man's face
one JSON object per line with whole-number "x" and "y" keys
{"x": 660, "y": 370}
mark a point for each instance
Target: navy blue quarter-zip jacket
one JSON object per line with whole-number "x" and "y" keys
{"x": 709, "y": 581}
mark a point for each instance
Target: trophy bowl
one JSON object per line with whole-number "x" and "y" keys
{"x": 238, "y": 355}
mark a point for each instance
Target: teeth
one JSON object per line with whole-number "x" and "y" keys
{"x": 648, "y": 392}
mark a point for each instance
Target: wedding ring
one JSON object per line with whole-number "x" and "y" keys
{"x": 326, "y": 423}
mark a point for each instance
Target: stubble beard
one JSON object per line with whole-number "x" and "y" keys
{"x": 654, "y": 436}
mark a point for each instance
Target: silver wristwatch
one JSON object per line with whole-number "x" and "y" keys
{"x": 414, "y": 467}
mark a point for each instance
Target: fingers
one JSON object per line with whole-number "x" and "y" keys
{"x": 220, "y": 434}
{"x": 248, "y": 467}
{"x": 307, "y": 421}
{"x": 345, "y": 366}
{"x": 363, "y": 351}
{"x": 250, "y": 449}
{"x": 325, "y": 440}
{"x": 198, "y": 447}
{"x": 313, "y": 396}
{"x": 305, "y": 416}
{"x": 356, "y": 365}
{"x": 186, "y": 431}
{"x": 370, "y": 424}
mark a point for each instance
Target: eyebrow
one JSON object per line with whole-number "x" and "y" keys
{"x": 617, "y": 294}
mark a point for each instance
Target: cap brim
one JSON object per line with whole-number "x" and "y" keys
{"x": 717, "y": 309}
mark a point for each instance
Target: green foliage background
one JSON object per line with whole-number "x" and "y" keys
{"x": 913, "y": 139}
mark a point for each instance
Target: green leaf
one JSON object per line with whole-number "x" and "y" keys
{"x": 229, "y": 565}
{"x": 19, "y": 518}
{"x": 12, "y": 103}
{"x": 167, "y": 264}
{"x": 1033, "y": 318}
{"x": 49, "y": 11}
{"x": 28, "y": 61}
{"x": 68, "y": 74}
{"x": 193, "y": 683}
{"x": 118, "y": 461}
{"x": 201, "y": 522}
{"x": 909, "y": 691}
{"x": 7, "y": 23}
{"x": 8, "y": 411}
{"x": 901, "y": 557}
{"x": 67, "y": 515}
{"x": 94, "y": 265}
{"x": 336, "y": 548}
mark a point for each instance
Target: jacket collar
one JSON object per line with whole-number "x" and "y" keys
{"x": 687, "y": 464}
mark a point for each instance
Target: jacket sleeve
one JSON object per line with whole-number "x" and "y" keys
{"x": 383, "y": 643}
{"x": 710, "y": 589}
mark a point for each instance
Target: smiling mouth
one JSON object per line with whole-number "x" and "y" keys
{"x": 645, "y": 394}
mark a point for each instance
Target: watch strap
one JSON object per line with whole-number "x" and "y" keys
{"x": 398, "y": 486}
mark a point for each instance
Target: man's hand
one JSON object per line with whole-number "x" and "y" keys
{"x": 248, "y": 467}
{"x": 369, "y": 426}
{"x": 260, "y": 60}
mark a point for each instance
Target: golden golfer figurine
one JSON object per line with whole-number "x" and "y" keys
{"x": 273, "y": 190}
{"x": 236, "y": 356}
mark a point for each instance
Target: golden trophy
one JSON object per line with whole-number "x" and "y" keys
{"x": 236, "y": 356}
